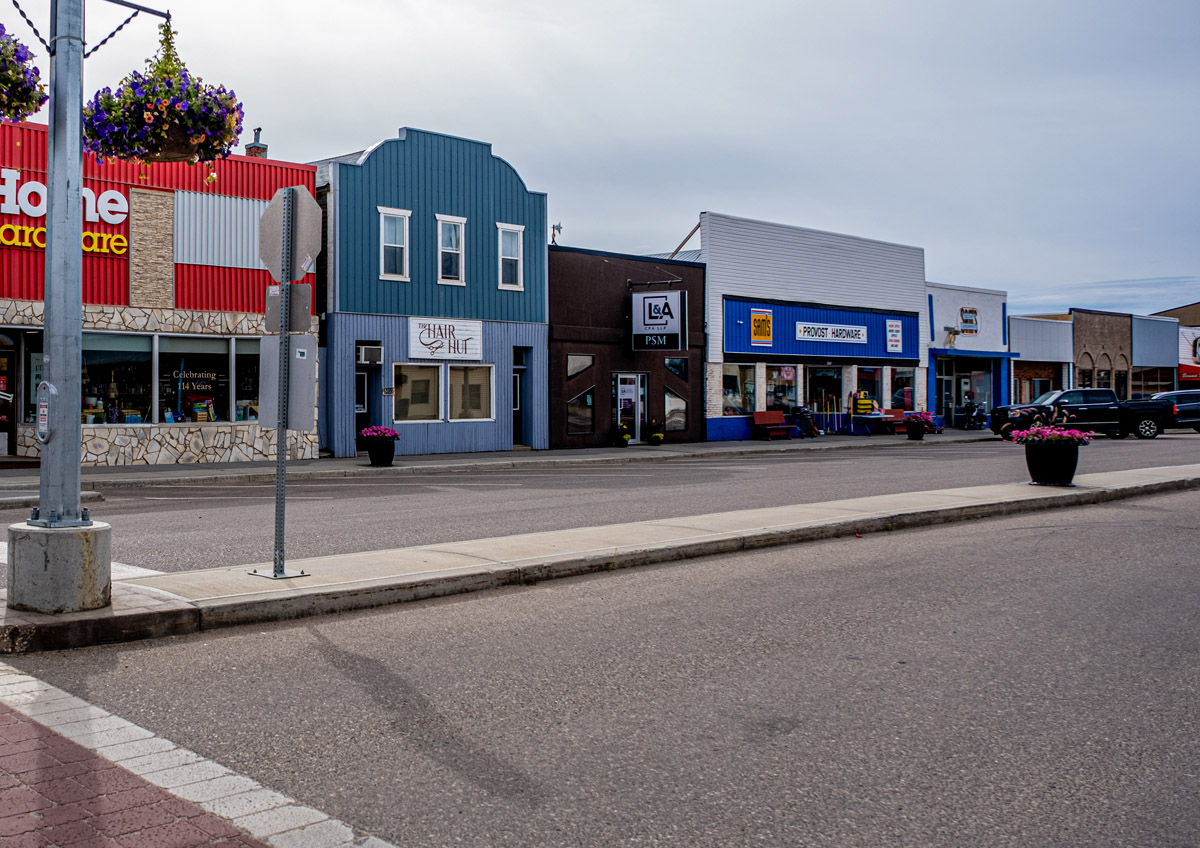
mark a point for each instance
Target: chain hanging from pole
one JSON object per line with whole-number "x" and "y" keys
{"x": 45, "y": 43}
{"x": 108, "y": 37}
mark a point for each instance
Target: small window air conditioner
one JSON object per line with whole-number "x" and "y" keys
{"x": 370, "y": 354}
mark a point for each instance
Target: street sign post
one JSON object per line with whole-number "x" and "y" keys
{"x": 289, "y": 240}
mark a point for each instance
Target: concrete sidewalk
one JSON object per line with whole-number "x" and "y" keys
{"x": 186, "y": 602}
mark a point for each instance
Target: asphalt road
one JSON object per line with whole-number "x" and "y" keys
{"x": 1026, "y": 681}
{"x": 180, "y": 527}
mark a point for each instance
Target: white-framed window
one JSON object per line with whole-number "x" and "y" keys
{"x": 471, "y": 392}
{"x": 417, "y": 392}
{"x": 393, "y": 243}
{"x": 512, "y": 256}
{"x": 452, "y": 250}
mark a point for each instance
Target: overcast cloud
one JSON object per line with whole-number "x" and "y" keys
{"x": 1045, "y": 147}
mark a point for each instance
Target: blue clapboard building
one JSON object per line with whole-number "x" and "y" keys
{"x": 432, "y": 290}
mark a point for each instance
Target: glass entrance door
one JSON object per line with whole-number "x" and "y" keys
{"x": 631, "y": 402}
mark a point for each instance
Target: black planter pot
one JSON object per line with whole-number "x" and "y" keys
{"x": 915, "y": 434}
{"x": 1052, "y": 462}
{"x": 381, "y": 451}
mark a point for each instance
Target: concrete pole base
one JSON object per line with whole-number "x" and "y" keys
{"x": 59, "y": 569}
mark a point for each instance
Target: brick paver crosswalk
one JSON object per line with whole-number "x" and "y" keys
{"x": 55, "y": 792}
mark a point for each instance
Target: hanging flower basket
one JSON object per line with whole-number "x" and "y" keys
{"x": 163, "y": 115}
{"x": 21, "y": 89}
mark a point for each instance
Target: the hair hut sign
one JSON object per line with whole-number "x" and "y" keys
{"x": 445, "y": 338}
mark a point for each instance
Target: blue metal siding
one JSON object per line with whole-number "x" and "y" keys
{"x": 784, "y": 318}
{"x": 499, "y": 339}
{"x": 432, "y": 174}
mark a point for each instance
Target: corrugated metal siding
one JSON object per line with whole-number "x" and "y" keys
{"x": 212, "y": 230}
{"x": 1155, "y": 342}
{"x": 433, "y": 174}
{"x": 767, "y": 261}
{"x": 221, "y": 289}
{"x": 1041, "y": 340}
{"x": 499, "y": 339}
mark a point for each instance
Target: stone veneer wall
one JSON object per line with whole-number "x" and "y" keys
{"x": 169, "y": 444}
{"x": 152, "y": 249}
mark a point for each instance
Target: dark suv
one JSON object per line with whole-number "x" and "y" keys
{"x": 1187, "y": 408}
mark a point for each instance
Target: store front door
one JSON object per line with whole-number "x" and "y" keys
{"x": 631, "y": 402}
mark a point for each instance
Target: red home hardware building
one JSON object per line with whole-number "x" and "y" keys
{"x": 173, "y": 295}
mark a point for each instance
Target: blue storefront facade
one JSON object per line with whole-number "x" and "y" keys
{"x": 433, "y": 294}
{"x": 813, "y": 354}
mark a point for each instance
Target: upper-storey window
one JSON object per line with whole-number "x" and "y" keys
{"x": 451, "y": 249}
{"x": 393, "y": 243}
{"x": 512, "y": 274}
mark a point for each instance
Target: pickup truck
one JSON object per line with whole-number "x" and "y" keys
{"x": 1088, "y": 409}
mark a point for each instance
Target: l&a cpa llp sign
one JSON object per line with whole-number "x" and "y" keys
{"x": 660, "y": 320}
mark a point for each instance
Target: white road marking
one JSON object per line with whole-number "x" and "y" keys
{"x": 270, "y": 816}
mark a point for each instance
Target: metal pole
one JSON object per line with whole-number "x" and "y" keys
{"x": 281, "y": 434}
{"x": 63, "y": 348}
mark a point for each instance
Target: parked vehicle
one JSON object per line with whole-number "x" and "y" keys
{"x": 1097, "y": 410}
{"x": 973, "y": 416}
{"x": 1187, "y": 408}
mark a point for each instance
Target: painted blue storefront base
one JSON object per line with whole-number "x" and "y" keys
{"x": 346, "y": 330}
{"x": 1000, "y": 362}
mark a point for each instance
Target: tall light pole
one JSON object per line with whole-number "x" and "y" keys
{"x": 60, "y": 559}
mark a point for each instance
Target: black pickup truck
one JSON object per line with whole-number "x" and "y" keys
{"x": 1097, "y": 410}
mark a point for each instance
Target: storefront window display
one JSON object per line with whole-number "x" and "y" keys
{"x": 246, "y": 397}
{"x": 470, "y": 392}
{"x": 1147, "y": 381}
{"x": 781, "y": 387}
{"x": 870, "y": 381}
{"x": 418, "y": 392}
{"x": 903, "y": 389}
{"x": 581, "y": 413}
{"x": 737, "y": 390}
{"x": 676, "y": 412}
{"x": 825, "y": 390}
{"x": 116, "y": 379}
{"x": 193, "y": 380}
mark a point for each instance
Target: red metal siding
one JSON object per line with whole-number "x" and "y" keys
{"x": 106, "y": 276}
{"x": 209, "y": 288}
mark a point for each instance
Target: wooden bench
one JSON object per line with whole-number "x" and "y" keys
{"x": 894, "y": 418}
{"x": 770, "y": 424}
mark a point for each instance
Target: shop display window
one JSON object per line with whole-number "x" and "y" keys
{"x": 737, "y": 390}
{"x": 869, "y": 381}
{"x": 1104, "y": 378}
{"x": 470, "y": 392}
{"x": 825, "y": 390}
{"x": 418, "y": 396}
{"x": 904, "y": 381}
{"x": 1149, "y": 381}
{"x": 193, "y": 380}
{"x": 116, "y": 379}
{"x": 781, "y": 387}
{"x": 677, "y": 365}
{"x": 577, "y": 363}
{"x": 581, "y": 413}
{"x": 1084, "y": 379}
{"x": 246, "y": 367}
{"x": 676, "y": 412}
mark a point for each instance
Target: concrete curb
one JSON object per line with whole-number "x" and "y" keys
{"x": 142, "y": 611}
{"x": 640, "y": 453}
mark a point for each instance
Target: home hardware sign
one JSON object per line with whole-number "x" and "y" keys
{"x": 444, "y": 338}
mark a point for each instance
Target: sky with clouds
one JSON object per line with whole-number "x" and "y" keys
{"x": 1044, "y": 147}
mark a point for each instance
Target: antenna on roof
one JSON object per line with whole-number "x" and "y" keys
{"x": 554, "y": 231}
